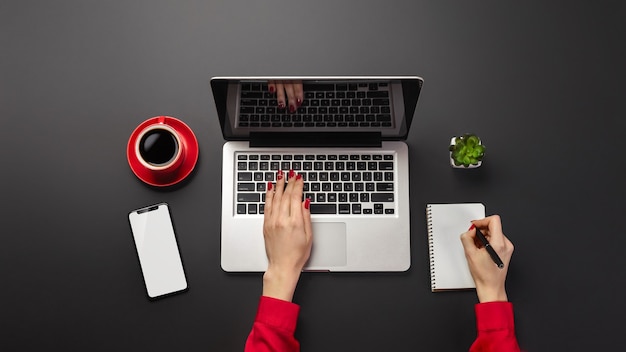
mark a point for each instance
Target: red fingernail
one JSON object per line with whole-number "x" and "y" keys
{"x": 307, "y": 203}
{"x": 292, "y": 108}
{"x": 281, "y": 105}
{"x": 299, "y": 101}
{"x": 291, "y": 173}
{"x": 299, "y": 177}
{"x": 269, "y": 185}
{"x": 280, "y": 174}
{"x": 272, "y": 89}
{"x": 471, "y": 227}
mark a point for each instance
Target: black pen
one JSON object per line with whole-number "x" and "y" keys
{"x": 490, "y": 250}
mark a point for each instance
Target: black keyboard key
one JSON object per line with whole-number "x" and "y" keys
{"x": 344, "y": 208}
{"x": 323, "y": 208}
{"x": 385, "y": 165}
{"x": 241, "y": 208}
{"x": 252, "y": 209}
{"x": 248, "y": 197}
{"x": 246, "y": 186}
{"x": 380, "y": 101}
{"x": 382, "y": 197}
{"x": 244, "y": 176}
{"x": 251, "y": 95}
{"x": 378, "y": 94}
{"x": 384, "y": 187}
{"x": 248, "y": 102}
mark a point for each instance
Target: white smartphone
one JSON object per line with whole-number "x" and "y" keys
{"x": 157, "y": 249}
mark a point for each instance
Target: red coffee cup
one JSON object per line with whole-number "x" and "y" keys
{"x": 162, "y": 151}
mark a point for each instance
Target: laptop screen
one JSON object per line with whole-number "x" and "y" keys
{"x": 381, "y": 105}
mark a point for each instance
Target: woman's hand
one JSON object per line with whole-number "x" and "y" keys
{"x": 488, "y": 277}
{"x": 288, "y": 236}
{"x": 287, "y": 92}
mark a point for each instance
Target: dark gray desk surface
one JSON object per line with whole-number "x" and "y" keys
{"x": 541, "y": 82}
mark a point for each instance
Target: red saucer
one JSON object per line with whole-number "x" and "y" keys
{"x": 190, "y": 147}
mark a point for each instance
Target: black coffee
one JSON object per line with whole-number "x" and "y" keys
{"x": 158, "y": 147}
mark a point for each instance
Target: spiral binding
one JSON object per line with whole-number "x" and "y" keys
{"x": 431, "y": 252}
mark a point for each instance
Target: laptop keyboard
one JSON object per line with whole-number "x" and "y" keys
{"x": 345, "y": 184}
{"x": 326, "y": 104}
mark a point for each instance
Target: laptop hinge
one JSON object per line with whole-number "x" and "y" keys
{"x": 315, "y": 139}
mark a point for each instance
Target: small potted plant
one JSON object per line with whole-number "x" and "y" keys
{"x": 466, "y": 151}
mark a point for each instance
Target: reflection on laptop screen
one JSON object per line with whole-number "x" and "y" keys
{"x": 334, "y": 104}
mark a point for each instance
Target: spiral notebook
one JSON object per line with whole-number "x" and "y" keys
{"x": 446, "y": 223}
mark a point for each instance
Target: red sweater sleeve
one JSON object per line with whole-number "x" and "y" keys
{"x": 274, "y": 327}
{"x": 496, "y": 331}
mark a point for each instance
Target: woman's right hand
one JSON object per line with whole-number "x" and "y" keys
{"x": 288, "y": 235}
{"x": 488, "y": 277}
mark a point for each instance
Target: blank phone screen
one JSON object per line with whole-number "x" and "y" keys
{"x": 157, "y": 249}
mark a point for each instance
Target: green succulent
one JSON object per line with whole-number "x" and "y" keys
{"x": 467, "y": 150}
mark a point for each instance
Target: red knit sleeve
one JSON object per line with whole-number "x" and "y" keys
{"x": 274, "y": 326}
{"x": 496, "y": 330}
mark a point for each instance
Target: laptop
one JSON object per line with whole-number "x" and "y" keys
{"x": 347, "y": 141}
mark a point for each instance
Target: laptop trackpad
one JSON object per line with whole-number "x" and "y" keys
{"x": 329, "y": 245}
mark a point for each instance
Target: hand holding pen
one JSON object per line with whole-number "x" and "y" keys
{"x": 488, "y": 257}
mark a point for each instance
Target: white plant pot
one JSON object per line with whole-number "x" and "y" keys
{"x": 462, "y": 166}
